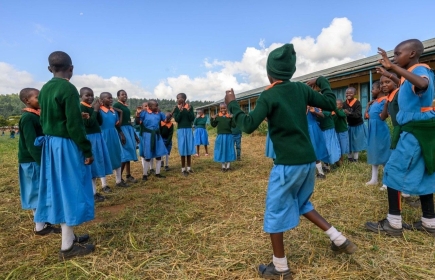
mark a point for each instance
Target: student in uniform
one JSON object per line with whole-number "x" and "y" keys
{"x": 317, "y": 140}
{"x": 224, "y": 144}
{"x": 167, "y": 131}
{"x": 341, "y": 128}
{"x": 291, "y": 181}
{"x": 200, "y": 136}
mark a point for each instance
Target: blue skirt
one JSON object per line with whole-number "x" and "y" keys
{"x": 200, "y": 137}
{"x": 113, "y": 145}
{"x": 224, "y": 148}
{"x": 318, "y": 142}
{"x": 332, "y": 145}
{"x": 405, "y": 169}
{"x": 140, "y": 146}
{"x": 101, "y": 166}
{"x": 288, "y": 196}
{"x": 186, "y": 146}
{"x": 168, "y": 145}
{"x": 357, "y": 138}
{"x": 343, "y": 139}
{"x": 29, "y": 184}
{"x": 160, "y": 149}
{"x": 129, "y": 148}
{"x": 270, "y": 152}
{"x": 65, "y": 189}
{"x": 378, "y": 142}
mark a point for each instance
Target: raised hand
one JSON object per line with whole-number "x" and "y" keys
{"x": 385, "y": 61}
{"x": 229, "y": 96}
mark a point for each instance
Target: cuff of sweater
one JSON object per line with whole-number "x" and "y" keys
{"x": 87, "y": 154}
{"x": 233, "y": 105}
{"x": 323, "y": 83}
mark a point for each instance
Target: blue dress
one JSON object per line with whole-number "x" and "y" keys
{"x": 270, "y": 152}
{"x": 379, "y": 139}
{"x": 29, "y": 184}
{"x": 224, "y": 148}
{"x": 129, "y": 148}
{"x": 111, "y": 136}
{"x": 200, "y": 136}
{"x": 151, "y": 121}
{"x": 101, "y": 166}
{"x": 405, "y": 170}
{"x": 317, "y": 138}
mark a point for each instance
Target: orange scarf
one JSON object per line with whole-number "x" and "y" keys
{"x": 168, "y": 125}
{"x": 272, "y": 85}
{"x": 351, "y": 103}
{"x": 85, "y": 104}
{"x": 381, "y": 98}
{"x": 30, "y": 110}
{"x": 226, "y": 115}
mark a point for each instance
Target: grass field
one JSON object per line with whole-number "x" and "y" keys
{"x": 209, "y": 226}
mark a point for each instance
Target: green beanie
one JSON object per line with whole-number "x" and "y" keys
{"x": 281, "y": 63}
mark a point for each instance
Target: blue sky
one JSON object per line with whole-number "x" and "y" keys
{"x": 158, "y": 48}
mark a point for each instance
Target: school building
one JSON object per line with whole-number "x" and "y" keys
{"x": 359, "y": 74}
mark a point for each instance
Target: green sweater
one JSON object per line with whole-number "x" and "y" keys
{"x": 184, "y": 118}
{"x": 223, "y": 124}
{"x": 30, "y": 128}
{"x": 61, "y": 115}
{"x": 166, "y": 132}
{"x": 285, "y": 106}
{"x": 125, "y": 113}
{"x": 200, "y": 122}
{"x": 92, "y": 125}
{"x": 326, "y": 122}
{"x": 340, "y": 121}
{"x": 236, "y": 131}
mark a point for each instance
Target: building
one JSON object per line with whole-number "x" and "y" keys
{"x": 359, "y": 74}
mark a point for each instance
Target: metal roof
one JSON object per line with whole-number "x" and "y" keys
{"x": 336, "y": 71}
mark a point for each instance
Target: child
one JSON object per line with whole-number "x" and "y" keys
{"x": 357, "y": 129}
{"x": 183, "y": 115}
{"x": 237, "y": 139}
{"x": 378, "y": 140}
{"x": 317, "y": 140}
{"x": 144, "y": 107}
{"x": 224, "y": 144}
{"x": 291, "y": 181}
{"x": 153, "y": 146}
{"x": 131, "y": 139}
{"x": 12, "y": 136}
{"x": 29, "y": 157}
{"x": 411, "y": 165}
{"x": 113, "y": 136}
{"x": 166, "y": 131}
{"x": 65, "y": 189}
{"x": 101, "y": 165}
{"x": 200, "y": 136}
{"x": 341, "y": 128}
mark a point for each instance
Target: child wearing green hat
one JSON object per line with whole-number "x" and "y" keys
{"x": 291, "y": 180}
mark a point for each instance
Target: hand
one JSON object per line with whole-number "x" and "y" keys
{"x": 229, "y": 96}
{"x": 312, "y": 109}
{"x": 385, "y": 61}
{"x": 122, "y": 137}
{"x": 85, "y": 116}
{"x": 89, "y": 160}
{"x": 188, "y": 105}
{"x": 312, "y": 83}
{"x": 382, "y": 71}
{"x": 96, "y": 106}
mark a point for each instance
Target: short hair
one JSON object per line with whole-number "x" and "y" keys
{"x": 415, "y": 44}
{"x": 59, "y": 61}
{"x": 152, "y": 101}
{"x": 376, "y": 84}
{"x": 25, "y": 92}
{"x": 103, "y": 94}
{"x": 223, "y": 104}
{"x": 84, "y": 89}
{"x": 352, "y": 89}
{"x": 118, "y": 93}
{"x": 183, "y": 95}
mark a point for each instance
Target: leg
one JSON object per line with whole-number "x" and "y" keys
{"x": 374, "y": 179}
{"x": 129, "y": 178}
{"x": 206, "y": 149}
{"x": 278, "y": 244}
{"x": 427, "y": 223}
{"x": 183, "y": 162}
{"x": 122, "y": 168}
{"x": 197, "y": 150}
{"x": 189, "y": 163}
{"x": 314, "y": 217}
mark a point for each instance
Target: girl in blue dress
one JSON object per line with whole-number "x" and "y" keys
{"x": 317, "y": 140}
{"x": 224, "y": 146}
{"x": 200, "y": 136}
{"x": 379, "y": 139}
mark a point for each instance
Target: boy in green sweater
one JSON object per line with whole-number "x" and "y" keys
{"x": 340, "y": 121}
{"x": 291, "y": 181}
{"x": 29, "y": 157}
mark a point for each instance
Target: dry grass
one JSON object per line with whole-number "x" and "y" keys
{"x": 209, "y": 226}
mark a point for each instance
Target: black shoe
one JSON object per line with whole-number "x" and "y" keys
{"x": 152, "y": 171}
{"x": 326, "y": 169}
{"x": 160, "y": 176}
{"x": 384, "y": 227}
{"x": 185, "y": 173}
{"x": 144, "y": 178}
{"x": 106, "y": 189}
{"x": 351, "y": 160}
{"x": 76, "y": 250}
{"x": 224, "y": 170}
{"x": 269, "y": 272}
{"x": 166, "y": 168}
{"x": 48, "y": 228}
{"x": 347, "y": 247}
{"x": 122, "y": 184}
{"x": 420, "y": 227}
{"x": 162, "y": 164}
{"x": 131, "y": 179}
{"x": 81, "y": 238}
{"x": 98, "y": 198}
{"x": 321, "y": 176}
{"x": 228, "y": 169}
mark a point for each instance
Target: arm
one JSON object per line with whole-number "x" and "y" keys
{"x": 357, "y": 112}
{"x": 171, "y": 133}
{"x": 384, "y": 114}
{"x": 317, "y": 114}
{"x": 29, "y": 133}
{"x": 385, "y": 73}
{"x": 213, "y": 121}
{"x": 326, "y": 100}
{"x": 249, "y": 122}
{"x": 233, "y": 122}
{"x": 340, "y": 113}
{"x": 177, "y": 115}
{"x": 366, "y": 113}
{"x": 191, "y": 114}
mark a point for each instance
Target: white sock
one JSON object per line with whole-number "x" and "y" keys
{"x": 355, "y": 155}
{"x": 158, "y": 165}
{"x": 182, "y": 169}
{"x": 143, "y": 162}
{"x": 429, "y": 223}
{"x": 383, "y": 188}
{"x": 319, "y": 168}
{"x": 39, "y": 226}
{"x": 335, "y": 236}
{"x": 103, "y": 181}
{"x": 94, "y": 185}
{"x": 223, "y": 165}
{"x": 228, "y": 165}
{"x": 280, "y": 263}
{"x": 146, "y": 168}
{"x": 374, "y": 179}
{"x": 67, "y": 237}
{"x": 167, "y": 160}
{"x": 395, "y": 221}
{"x": 188, "y": 168}
{"x": 118, "y": 177}
{"x": 406, "y": 195}
{"x": 151, "y": 163}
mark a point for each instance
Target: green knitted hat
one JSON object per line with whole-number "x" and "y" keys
{"x": 281, "y": 63}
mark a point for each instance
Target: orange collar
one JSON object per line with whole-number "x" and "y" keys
{"x": 168, "y": 125}
{"x": 186, "y": 106}
{"x": 85, "y": 104}
{"x": 332, "y": 113}
{"x": 105, "y": 109}
{"x": 351, "y": 103}
{"x": 392, "y": 94}
{"x": 379, "y": 100}
{"x": 151, "y": 112}
{"x": 125, "y": 104}
{"x": 226, "y": 115}
{"x": 30, "y": 110}
{"x": 272, "y": 85}
{"x": 402, "y": 79}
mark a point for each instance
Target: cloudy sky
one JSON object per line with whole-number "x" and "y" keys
{"x": 159, "y": 48}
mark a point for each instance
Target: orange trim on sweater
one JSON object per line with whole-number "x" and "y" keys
{"x": 272, "y": 85}
{"x": 168, "y": 125}
{"x": 30, "y": 110}
{"x": 105, "y": 109}
{"x": 226, "y": 115}
{"x": 379, "y": 100}
{"x": 390, "y": 96}
{"x": 351, "y": 103}
{"x": 402, "y": 79}
{"x": 85, "y": 104}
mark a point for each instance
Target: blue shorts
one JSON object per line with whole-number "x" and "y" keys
{"x": 288, "y": 196}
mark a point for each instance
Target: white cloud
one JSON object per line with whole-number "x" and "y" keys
{"x": 13, "y": 80}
